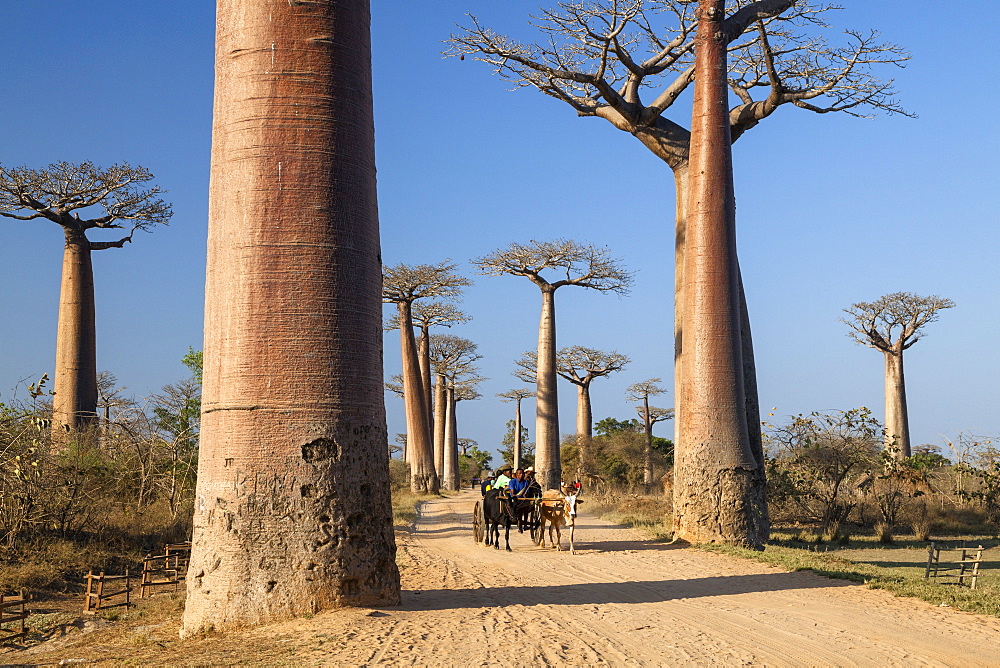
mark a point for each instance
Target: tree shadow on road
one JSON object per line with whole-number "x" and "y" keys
{"x": 598, "y": 593}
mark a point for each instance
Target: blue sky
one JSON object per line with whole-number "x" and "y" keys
{"x": 831, "y": 209}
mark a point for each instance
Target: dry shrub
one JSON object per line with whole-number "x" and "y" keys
{"x": 883, "y": 532}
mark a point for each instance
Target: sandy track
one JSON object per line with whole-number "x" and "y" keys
{"x": 619, "y": 601}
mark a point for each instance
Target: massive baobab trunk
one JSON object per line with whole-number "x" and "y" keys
{"x": 74, "y": 405}
{"x": 547, "y": 464}
{"x": 719, "y": 495}
{"x": 897, "y": 423}
{"x": 292, "y": 512}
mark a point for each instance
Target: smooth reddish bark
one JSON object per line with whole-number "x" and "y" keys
{"x": 718, "y": 496}
{"x": 74, "y": 405}
{"x": 292, "y": 512}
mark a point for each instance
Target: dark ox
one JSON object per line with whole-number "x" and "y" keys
{"x": 497, "y": 511}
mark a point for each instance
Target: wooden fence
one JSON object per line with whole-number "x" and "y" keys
{"x": 963, "y": 565}
{"x": 96, "y": 597}
{"x": 9, "y": 603}
{"x": 165, "y": 570}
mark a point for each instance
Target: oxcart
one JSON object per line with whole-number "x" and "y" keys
{"x": 530, "y": 519}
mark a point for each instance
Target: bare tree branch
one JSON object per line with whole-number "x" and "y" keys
{"x": 63, "y": 190}
{"x": 895, "y": 321}
{"x": 599, "y": 55}
{"x": 406, "y": 283}
{"x": 579, "y": 264}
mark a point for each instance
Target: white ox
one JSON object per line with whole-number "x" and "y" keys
{"x": 557, "y": 510}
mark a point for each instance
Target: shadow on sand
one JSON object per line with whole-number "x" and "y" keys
{"x": 598, "y": 593}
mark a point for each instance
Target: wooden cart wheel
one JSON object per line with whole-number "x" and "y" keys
{"x": 536, "y": 518}
{"x": 478, "y": 528}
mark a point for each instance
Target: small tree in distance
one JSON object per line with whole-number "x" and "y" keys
{"x": 891, "y": 324}
{"x": 81, "y": 198}
{"x": 516, "y": 396}
{"x": 580, "y": 264}
{"x": 650, "y": 415}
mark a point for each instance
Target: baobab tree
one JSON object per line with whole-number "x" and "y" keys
{"x": 293, "y": 513}
{"x": 580, "y": 366}
{"x": 719, "y": 486}
{"x": 402, "y": 285}
{"x": 425, "y": 316}
{"x": 81, "y": 198}
{"x": 582, "y": 265}
{"x": 449, "y": 356}
{"x": 517, "y": 395}
{"x": 650, "y": 415}
{"x": 600, "y": 58}
{"x": 891, "y": 324}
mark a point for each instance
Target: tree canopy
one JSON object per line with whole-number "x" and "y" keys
{"x": 63, "y": 192}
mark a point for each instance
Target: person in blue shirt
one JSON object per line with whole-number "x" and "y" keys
{"x": 518, "y": 486}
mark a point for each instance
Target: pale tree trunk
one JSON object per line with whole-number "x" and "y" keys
{"x": 749, "y": 365}
{"x": 897, "y": 423}
{"x": 440, "y": 419}
{"x": 647, "y": 424}
{"x": 74, "y": 405}
{"x": 423, "y": 474}
{"x": 517, "y": 435}
{"x": 719, "y": 492}
{"x": 584, "y": 414}
{"x": 547, "y": 466}
{"x": 584, "y": 426}
{"x": 451, "y": 445}
{"x": 424, "y": 350}
{"x": 680, "y": 206}
{"x": 752, "y": 402}
{"x": 292, "y": 511}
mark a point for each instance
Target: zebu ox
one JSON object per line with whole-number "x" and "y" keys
{"x": 558, "y": 510}
{"x": 496, "y": 511}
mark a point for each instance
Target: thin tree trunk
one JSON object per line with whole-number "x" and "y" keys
{"x": 424, "y": 349}
{"x": 451, "y": 444}
{"x": 750, "y": 385}
{"x": 584, "y": 414}
{"x": 440, "y": 419}
{"x": 680, "y": 206}
{"x": 292, "y": 512}
{"x": 547, "y": 465}
{"x": 647, "y": 424}
{"x": 74, "y": 405}
{"x": 423, "y": 474}
{"x": 717, "y": 497}
{"x": 897, "y": 424}
{"x": 584, "y": 426}
{"x": 517, "y": 435}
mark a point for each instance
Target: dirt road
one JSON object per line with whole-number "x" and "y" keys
{"x": 619, "y": 601}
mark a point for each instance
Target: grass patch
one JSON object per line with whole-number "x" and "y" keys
{"x": 898, "y": 569}
{"x": 404, "y": 506}
{"x": 650, "y": 515}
